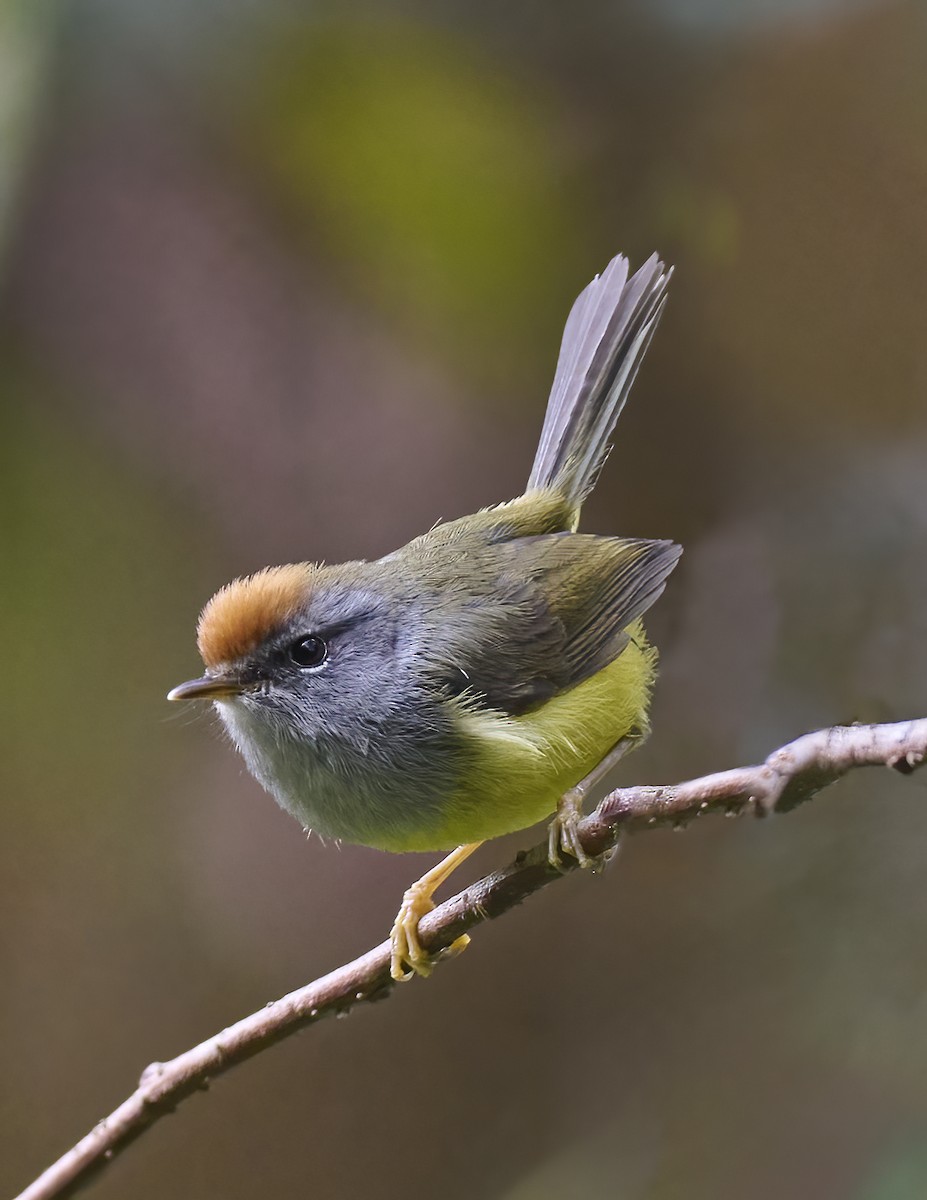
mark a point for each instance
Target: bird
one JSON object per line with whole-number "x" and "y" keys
{"x": 481, "y": 678}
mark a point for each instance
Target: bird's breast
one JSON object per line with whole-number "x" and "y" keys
{"x": 385, "y": 788}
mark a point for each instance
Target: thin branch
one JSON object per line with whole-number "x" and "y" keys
{"x": 786, "y": 779}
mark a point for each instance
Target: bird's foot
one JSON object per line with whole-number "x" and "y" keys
{"x": 408, "y": 957}
{"x": 563, "y": 833}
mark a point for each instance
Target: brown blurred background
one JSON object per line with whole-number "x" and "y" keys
{"x": 286, "y": 280}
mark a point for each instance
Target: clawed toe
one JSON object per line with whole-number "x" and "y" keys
{"x": 563, "y": 838}
{"x": 407, "y": 955}
{"x": 563, "y": 835}
{"x": 408, "y": 958}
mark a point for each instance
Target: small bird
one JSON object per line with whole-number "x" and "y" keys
{"x": 482, "y": 677}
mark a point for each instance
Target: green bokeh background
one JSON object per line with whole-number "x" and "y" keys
{"x": 286, "y": 280}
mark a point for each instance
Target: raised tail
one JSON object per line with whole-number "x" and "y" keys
{"x": 606, "y": 335}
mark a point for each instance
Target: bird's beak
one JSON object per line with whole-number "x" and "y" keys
{"x": 209, "y": 687}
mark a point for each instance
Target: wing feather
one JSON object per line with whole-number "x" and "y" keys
{"x": 556, "y": 611}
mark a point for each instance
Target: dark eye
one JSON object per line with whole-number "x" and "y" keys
{"x": 309, "y": 651}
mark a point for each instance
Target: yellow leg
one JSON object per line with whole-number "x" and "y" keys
{"x": 407, "y": 949}
{"x": 562, "y": 833}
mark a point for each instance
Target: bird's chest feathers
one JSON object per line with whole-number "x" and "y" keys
{"x": 358, "y": 788}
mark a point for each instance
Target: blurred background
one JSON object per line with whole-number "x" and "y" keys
{"x": 286, "y": 280}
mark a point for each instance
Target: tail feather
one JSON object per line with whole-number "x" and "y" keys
{"x": 606, "y": 335}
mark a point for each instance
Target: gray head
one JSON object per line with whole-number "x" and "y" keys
{"x": 316, "y": 675}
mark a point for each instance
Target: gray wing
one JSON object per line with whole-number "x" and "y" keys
{"x": 555, "y": 613}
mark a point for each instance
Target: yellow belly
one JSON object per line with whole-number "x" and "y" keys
{"x": 521, "y": 766}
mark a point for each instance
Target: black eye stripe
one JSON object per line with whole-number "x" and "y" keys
{"x": 308, "y": 651}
